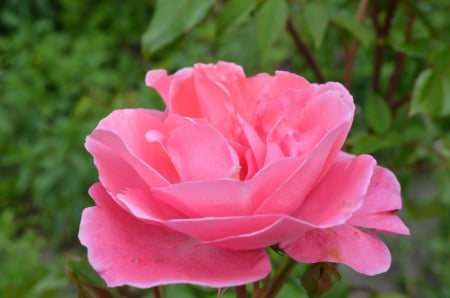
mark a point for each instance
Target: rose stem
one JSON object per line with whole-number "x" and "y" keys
{"x": 351, "y": 51}
{"x": 276, "y": 283}
{"x": 156, "y": 292}
{"x": 241, "y": 292}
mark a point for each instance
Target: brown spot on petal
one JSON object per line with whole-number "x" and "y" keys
{"x": 334, "y": 253}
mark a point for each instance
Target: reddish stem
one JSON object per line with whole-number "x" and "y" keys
{"x": 241, "y": 292}
{"x": 156, "y": 292}
{"x": 304, "y": 50}
{"x": 351, "y": 51}
{"x": 382, "y": 31}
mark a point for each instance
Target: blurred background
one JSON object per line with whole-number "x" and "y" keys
{"x": 66, "y": 64}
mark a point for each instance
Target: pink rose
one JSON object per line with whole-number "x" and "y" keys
{"x": 196, "y": 194}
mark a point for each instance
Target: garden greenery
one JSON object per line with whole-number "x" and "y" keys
{"x": 66, "y": 64}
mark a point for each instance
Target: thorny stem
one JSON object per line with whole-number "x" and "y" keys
{"x": 399, "y": 59}
{"x": 255, "y": 286}
{"x": 275, "y": 284}
{"x": 241, "y": 292}
{"x": 156, "y": 292}
{"x": 304, "y": 50}
{"x": 351, "y": 51}
{"x": 382, "y": 31}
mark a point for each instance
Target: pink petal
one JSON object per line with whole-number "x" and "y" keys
{"x": 118, "y": 168}
{"x": 269, "y": 179}
{"x": 384, "y": 222}
{"x": 142, "y": 204}
{"x": 283, "y": 229}
{"x": 232, "y": 77}
{"x": 383, "y": 193}
{"x": 339, "y": 193}
{"x": 250, "y": 139}
{"x": 325, "y": 109}
{"x": 283, "y": 80}
{"x": 201, "y": 152}
{"x": 216, "y": 228}
{"x": 126, "y": 251}
{"x": 293, "y": 191}
{"x": 177, "y": 90}
{"x": 383, "y": 199}
{"x": 219, "y": 90}
{"x": 132, "y": 127}
{"x": 344, "y": 244}
{"x": 221, "y": 197}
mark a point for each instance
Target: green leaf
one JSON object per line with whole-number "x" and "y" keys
{"x": 350, "y": 24}
{"x": 365, "y": 143}
{"x": 378, "y": 114}
{"x": 234, "y": 12}
{"x": 390, "y": 295}
{"x": 431, "y": 92}
{"x": 316, "y": 17}
{"x": 171, "y": 19}
{"x": 271, "y": 19}
{"x": 420, "y": 47}
{"x": 417, "y": 103}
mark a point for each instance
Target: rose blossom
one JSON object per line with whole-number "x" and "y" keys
{"x": 196, "y": 194}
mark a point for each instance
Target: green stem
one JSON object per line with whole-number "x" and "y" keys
{"x": 275, "y": 284}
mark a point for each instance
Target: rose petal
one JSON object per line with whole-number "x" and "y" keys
{"x": 216, "y": 228}
{"x": 130, "y": 252}
{"x": 383, "y": 199}
{"x": 177, "y": 85}
{"x": 344, "y": 244}
{"x": 283, "y": 229}
{"x": 142, "y": 204}
{"x": 201, "y": 152}
{"x": 132, "y": 127}
{"x": 339, "y": 193}
{"x": 292, "y": 192}
{"x": 383, "y": 194}
{"x": 283, "y": 80}
{"x": 325, "y": 109}
{"x": 269, "y": 179}
{"x": 118, "y": 168}
{"x": 221, "y": 197}
{"x": 385, "y": 222}
{"x": 251, "y": 140}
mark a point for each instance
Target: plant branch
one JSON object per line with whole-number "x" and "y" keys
{"x": 351, "y": 51}
{"x": 156, "y": 292}
{"x": 381, "y": 31}
{"x": 241, "y": 292}
{"x": 275, "y": 284}
{"x": 305, "y": 51}
{"x": 399, "y": 60}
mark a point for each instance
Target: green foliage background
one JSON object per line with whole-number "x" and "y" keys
{"x": 66, "y": 64}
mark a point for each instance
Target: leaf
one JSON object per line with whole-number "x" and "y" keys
{"x": 417, "y": 105}
{"x": 350, "y": 24}
{"x": 378, "y": 114}
{"x": 171, "y": 19}
{"x": 431, "y": 92}
{"x": 370, "y": 143}
{"x": 317, "y": 18}
{"x": 420, "y": 47}
{"x": 234, "y": 12}
{"x": 271, "y": 19}
{"x": 390, "y": 295}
